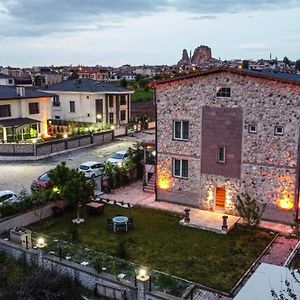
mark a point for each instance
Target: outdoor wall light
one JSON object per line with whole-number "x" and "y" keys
{"x": 112, "y": 127}
{"x": 65, "y": 135}
{"x": 99, "y": 117}
{"x": 142, "y": 275}
{"x": 40, "y": 243}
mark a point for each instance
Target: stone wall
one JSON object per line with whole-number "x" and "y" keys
{"x": 265, "y": 103}
{"x": 26, "y": 218}
{"x": 104, "y": 284}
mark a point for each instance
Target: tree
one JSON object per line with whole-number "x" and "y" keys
{"x": 245, "y": 64}
{"x": 123, "y": 82}
{"x": 286, "y": 61}
{"x": 248, "y": 209}
{"x": 71, "y": 185}
{"x": 39, "y": 80}
{"x": 297, "y": 65}
{"x": 74, "y": 74}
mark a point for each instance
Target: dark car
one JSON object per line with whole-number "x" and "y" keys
{"x": 41, "y": 182}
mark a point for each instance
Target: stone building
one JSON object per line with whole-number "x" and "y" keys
{"x": 226, "y": 131}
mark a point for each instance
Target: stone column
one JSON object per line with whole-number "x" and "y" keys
{"x": 142, "y": 281}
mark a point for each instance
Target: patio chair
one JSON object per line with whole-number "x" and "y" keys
{"x": 110, "y": 223}
{"x": 130, "y": 222}
{"x": 121, "y": 226}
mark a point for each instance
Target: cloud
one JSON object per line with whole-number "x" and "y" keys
{"x": 199, "y": 18}
{"x": 45, "y": 17}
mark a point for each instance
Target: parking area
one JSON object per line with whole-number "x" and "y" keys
{"x": 17, "y": 176}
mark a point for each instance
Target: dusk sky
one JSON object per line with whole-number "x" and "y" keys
{"x": 116, "y": 32}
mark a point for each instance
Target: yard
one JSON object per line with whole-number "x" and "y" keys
{"x": 159, "y": 242}
{"x": 142, "y": 95}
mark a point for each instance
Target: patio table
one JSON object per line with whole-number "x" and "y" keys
{"x": 94, "y": 207}
{"x": 120, "y": 220}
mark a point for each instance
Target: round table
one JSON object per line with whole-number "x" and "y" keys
{"x": 119, "y": 220}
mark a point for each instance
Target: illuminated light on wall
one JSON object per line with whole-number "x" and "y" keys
{"x": 164, "y": 176}
{"x": 44, "y": 125}
{"x": 228, "y": 197}
{"x": 285, "y": 193}
{"x": 286, "y": 202}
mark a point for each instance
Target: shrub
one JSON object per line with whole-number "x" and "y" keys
{"x": 249, "y": 210}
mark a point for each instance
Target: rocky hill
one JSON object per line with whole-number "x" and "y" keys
{"x": 202, "y": 54}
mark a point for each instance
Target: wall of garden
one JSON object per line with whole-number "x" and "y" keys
{"x": 19, "y": 151}
{"x": 103, "y": 284}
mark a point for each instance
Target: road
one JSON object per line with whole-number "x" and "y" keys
{"x": 18, "y": 176}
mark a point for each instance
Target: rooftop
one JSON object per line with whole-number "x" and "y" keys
{"x": 10, "y": 92}
{"x": 87, "y": 85}
{"x": 264, "y": 74}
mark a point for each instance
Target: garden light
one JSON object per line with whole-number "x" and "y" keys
{"x": 40, "y": 243}
{"x": 65, "y": 135}
{"x": 142, "y": 275}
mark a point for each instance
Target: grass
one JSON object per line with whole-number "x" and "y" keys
{"x": 159, "y": 242}
{"x": 142, "y": 95}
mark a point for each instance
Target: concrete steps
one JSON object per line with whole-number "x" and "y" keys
{"x": 150, "y": 187}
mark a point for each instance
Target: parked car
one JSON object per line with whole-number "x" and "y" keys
{"x": 41, "y": 182}
{"x": 118, "y": 158}
{"x": 91, "y": 169}
{"x": 8, "y": 197}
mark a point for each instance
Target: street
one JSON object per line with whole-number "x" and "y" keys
{"x": 18, "y": 176}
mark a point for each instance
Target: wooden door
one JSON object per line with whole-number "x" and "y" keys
{"x": 220, "y": 197}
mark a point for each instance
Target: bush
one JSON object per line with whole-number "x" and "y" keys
{"x": 249, "y": 210}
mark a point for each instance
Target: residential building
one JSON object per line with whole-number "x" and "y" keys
{"x": 87, "y": 100}
{"x": 226, "y": 131}
{"x": 23, "y": 113}
{"x": 6, "y": 79}
{"x": 95, "y": 73}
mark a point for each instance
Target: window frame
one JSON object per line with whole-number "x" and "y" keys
{"x": 181, "y": 175}
{"x": 222, "y": 92}
{"x": 56, "y": 101}
{"x": 250, "y": 130}
{"x": 278, "y": 133}
{"x": 72, "y": 106}
{"x": 224, "y": 154}
{"x": 181, "y": 138}
{"x": 34, "y": 108}
{"x": 122, "y": 112}
{"x": 7, "y": 110}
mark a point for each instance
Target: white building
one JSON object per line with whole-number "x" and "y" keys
{"x": 23, "y": 113}
{"x": 87, "y": 100}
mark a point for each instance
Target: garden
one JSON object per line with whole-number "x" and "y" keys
{"x": 157, "y": 242}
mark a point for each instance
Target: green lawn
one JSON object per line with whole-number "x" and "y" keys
{"x": 142, "y": 95}
{"x": 159, "y": 242}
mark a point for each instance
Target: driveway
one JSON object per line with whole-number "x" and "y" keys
{"x": 17, "y": 176}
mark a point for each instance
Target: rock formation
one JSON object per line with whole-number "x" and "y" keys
{"x": 185, "y": 60}
{"x": 202, "y": 54}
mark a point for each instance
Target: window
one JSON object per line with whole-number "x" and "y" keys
{"x": 279, "y": 130}
{"x": 55, "y": 101}
{"x": 72, "y": 106}
{"x": 223, "y": 92}
{"x": 181, "y": 130}
{"x": 57, "y": 117}
{"x": 10, "y": 81}
{"x": 122, "y": 99}
{"x": 180, "y": 168}
{"x": 34, "y": 108}
{"x": 111, "y": 101}
{"x": 111, "y": 118}
{"x": 221, "y": 154}
{"x": 252, "y": 128}
{"x": 5, "y": 111}
{"x": 123, "y": 115}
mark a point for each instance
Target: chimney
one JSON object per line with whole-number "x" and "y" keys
{"x": 21, "y": 91}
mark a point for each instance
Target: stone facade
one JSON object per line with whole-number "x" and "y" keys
{"x": 267, "y": 163}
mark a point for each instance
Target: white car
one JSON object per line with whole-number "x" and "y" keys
{"x": 8, "y": 197}
{"x": 118, "y": 158}
{"x": 91, "y": 169}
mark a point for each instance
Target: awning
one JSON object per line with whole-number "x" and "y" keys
{"x": 17, "y": 122}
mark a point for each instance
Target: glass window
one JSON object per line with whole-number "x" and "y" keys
{"x": 279, "y": 130}
{"x": 252, "y": 128}
{"x": 72, "y": 106}
{"x": 5, "y": 111}
{"x": 223, "y": 92}
{"x": 56, "y": 101}
{"x": 221, "y": 154}
{"x": 123, "y": 99}
{"x": 111, "y": 118}
{"x": 34, "y": 108}
{"x": 123, "y": 115}
{"x": 111, "y": 100}
{"x": 181, "y": 130}
{"x": 180, "y": 168}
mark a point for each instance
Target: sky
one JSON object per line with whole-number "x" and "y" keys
{"x": 150, "y": 32}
